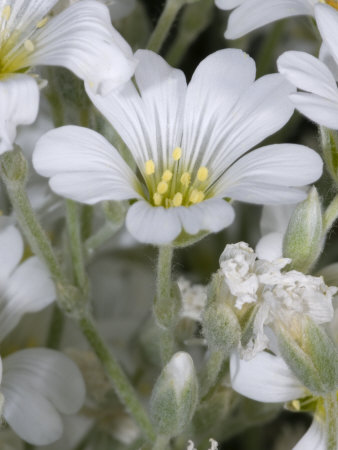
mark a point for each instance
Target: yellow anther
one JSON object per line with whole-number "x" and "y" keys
{"x": 29, "y": 46}
{"x": 42, "y": 22}
{"x": 177, "y": 200}
{"x": 177, "y": 153}
{"x": 167, "y": 175}
{"x": 185, "y": 179}
{"x": 296, "y": 404}
{"x": 196, "y": 196}
{"x": 202, "y": 173}
{"x": 150, "y": 167}
{"x": 333, "y": 3}
{"x": 162, "y": 187}
{"x": 157, "y": 199}
{"x": 6, "y": 12}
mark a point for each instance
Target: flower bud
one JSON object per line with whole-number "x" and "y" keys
{"x": 174, "y": 397}
{"x": 310, "y": 354}
{"x": 329, "y": 141}
{"x": 14, "y": 166}
{"x": 303, "y": 241}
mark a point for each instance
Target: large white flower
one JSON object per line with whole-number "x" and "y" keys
{"x": 267, "y": 378}
{"x": 188, "y": 144}
{"x": 319, "y": 102}
{"x": 81, "y": 38}
{"x": 249, "y": 15}
{"x": 25, "y": 287}
{"x": 37, "y": 386}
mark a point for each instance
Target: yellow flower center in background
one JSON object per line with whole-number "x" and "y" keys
{"x": 333, "y": 3}
{"x": 175, "y": 186}
{"x": 15, "y": 46}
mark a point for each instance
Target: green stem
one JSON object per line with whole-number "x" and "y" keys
{"x": 122, "y": 386}
{"x": 161, "y": 442}
{"x": 165, "y": 307}
{"x": 75, "y": 241}
{"x": 107, "y": 231}
{"x": 55, "y": 329}
{"x": 210, "y": 373}
{"x": 165, "y": 22}
{"x": 265, "y": 56}
{"x": 330, "y": 215}
{"x": 331, "y": 411}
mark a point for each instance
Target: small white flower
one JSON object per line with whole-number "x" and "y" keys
{"x": 249, "y": 15}
{"x": 189, "y": 143}
{"x": 267, "y": 378}
{"x": 279, "y": 296}
{"x": 81, "y": 38}
{"x": 194, "y": 298}
{"x": 38, "y": 385}
{"x": 25, "y": 287}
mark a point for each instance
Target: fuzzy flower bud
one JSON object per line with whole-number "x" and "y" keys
{"x": 174, "y": 397}
{"x": 303, "y": 241}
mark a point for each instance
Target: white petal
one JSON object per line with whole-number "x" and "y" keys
{"x": 308, "y": 73}
{"x": 270, "y": 246}
{"x": 314, "y": 438}
{"x": 150, "y": 126}
{"x": 261, "y": 111}
{"x": 84, "y": 166}
{"x": 11, "y": 250}
{"x": 19, "y": 103}
{"x": 319, "y": 109}
{"x": 228, "y": 4}
{"x": 253, "y": 14}
{"x": 265, "y": 378}
{"x": 275, "y": 218}
{"x": 216, "y": 86}
{"x": 153, "y": 225}
{"x": 29, "y": 289}
{"x": 327, "y": 58}
{"x": 82, "y": 39}
{"x": 327, "y": 22}
{"x": 210, "y": 215}
{"x": 267, "y": 175}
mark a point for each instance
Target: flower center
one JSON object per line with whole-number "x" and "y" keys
{"x": 15, "y": 45}
{"x": 333, "y": 3}
{"x": 175, "y": 186}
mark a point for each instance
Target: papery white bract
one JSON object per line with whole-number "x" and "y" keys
{"x": 38, "y": 385}
{"x": 188, "y": 144}
{"x": 80, "y": 38}
{"x": 267, "y": 378}
{"x": 319, "y": 102}
{"x": 25, "y": 287}
{"x": 252, "y": 14}
{"x": 194, "y": 299}
{"x": 279, "y": 296}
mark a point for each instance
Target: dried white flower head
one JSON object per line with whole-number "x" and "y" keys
{"x": 194, "y": 298}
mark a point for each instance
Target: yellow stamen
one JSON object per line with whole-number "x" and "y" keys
{"x": 6, "y": 12}
{"x": 167, "y": 175}
{"x": 177, "y": 153}
{"x": 150, "y": 167}
{"x": 177, "y": 200}
{"x": 185, "y": 179}
{"x": 333, "y": 3}
{"x": 296, "y": 405}
{"x": 196, "y": 196}
{"x": 42, "y": 22}
{"x": 202, "y": 173}
{"x": 162, "y": 187}
{"x": 29, "y": 46}
{"x": 157, "y": 199}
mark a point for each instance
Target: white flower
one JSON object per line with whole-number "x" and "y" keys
{"x": 24, "y": 287}
{"x": 267, "y": 378}
{"x": 194, "y": 298}
{"x": 252, "y": 14}
{"x": 81, "y": 38}
{"x": 319, "y": 102}
{"x": 38, "y": 385}
{"x": 118, "y": 8}
{"x": 188, "y": 143}
{"x": 279, "y": 296}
